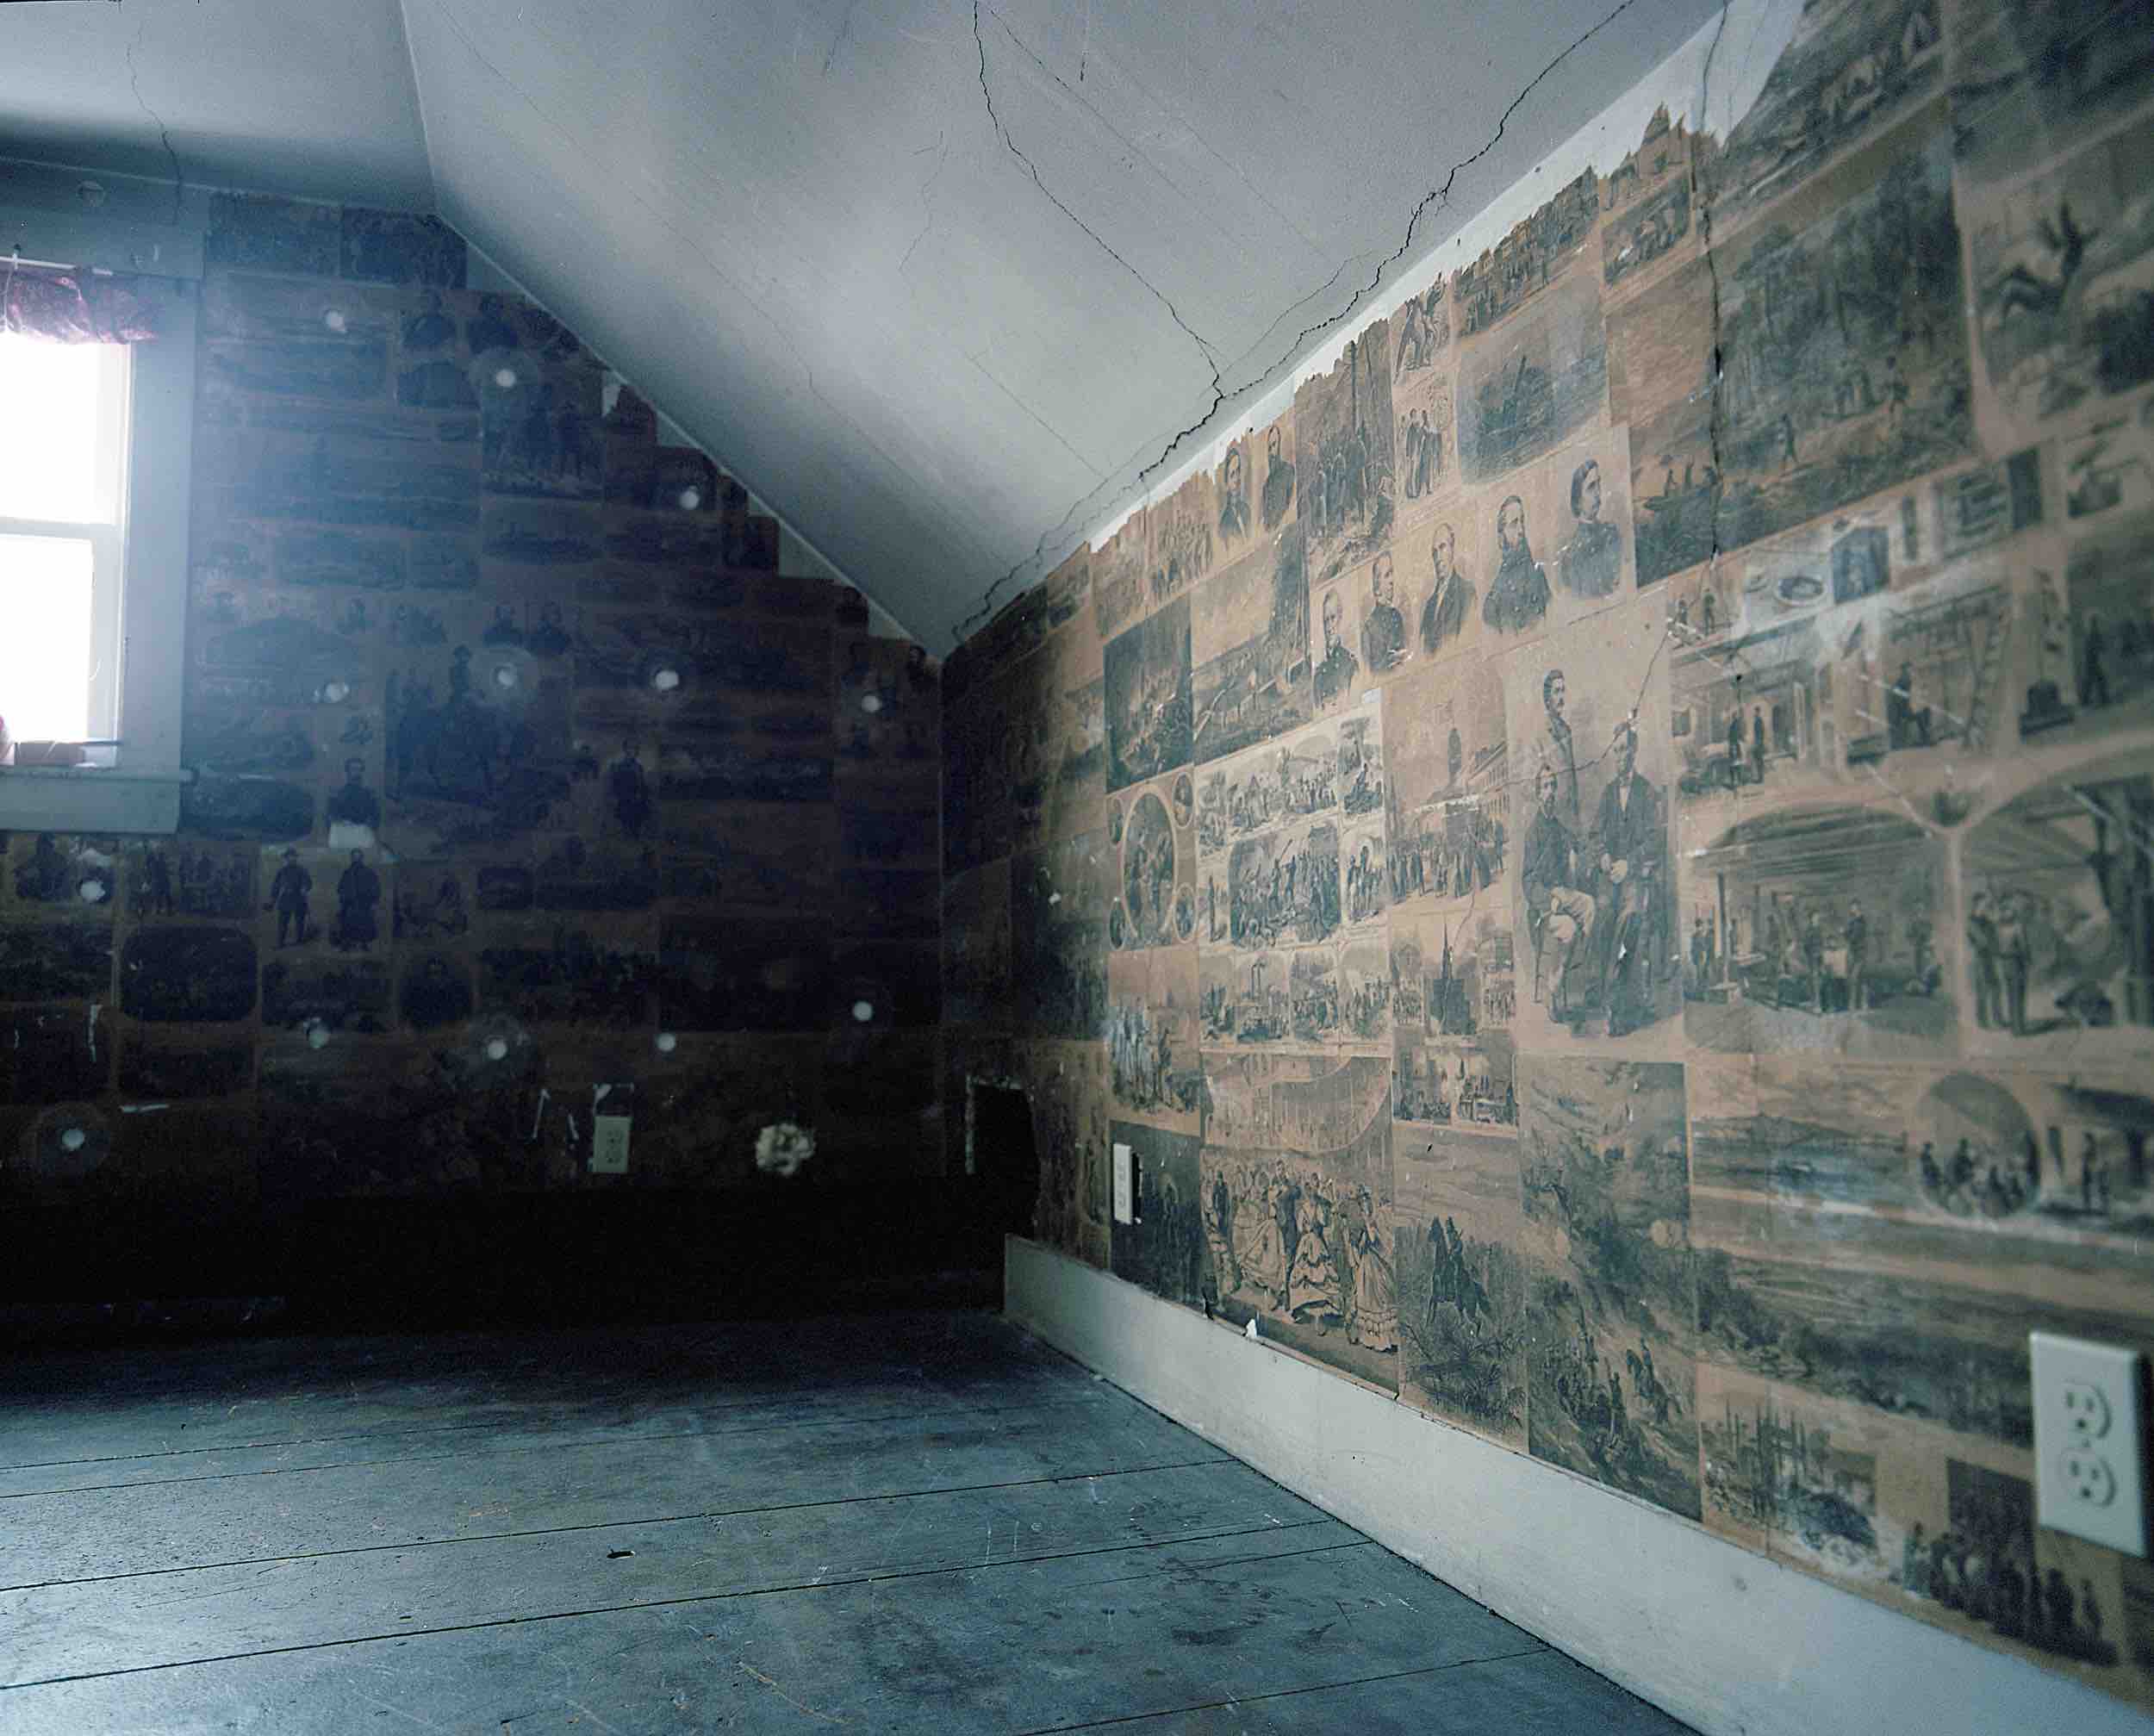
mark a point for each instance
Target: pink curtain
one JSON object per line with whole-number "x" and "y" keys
{"x": 76, "y": 307}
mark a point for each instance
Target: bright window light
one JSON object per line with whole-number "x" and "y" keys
{"x": 64, "y": 416}
{"x": 47, "y": 650}
{"x": 58, "y": 456}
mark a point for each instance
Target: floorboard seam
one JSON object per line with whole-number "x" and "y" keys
{"x": 1242, "y": 1700}
{"x": 718, "y": 1598}
{"x": 615, "y": 1524}
{"x": 235, "y": 1446}
{"x": 1076, "y": 1389}
{"x": 437, "y": 1457}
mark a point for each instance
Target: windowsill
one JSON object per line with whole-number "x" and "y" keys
{"x": 91, "y": 798}
{"x": 103, "y": 774}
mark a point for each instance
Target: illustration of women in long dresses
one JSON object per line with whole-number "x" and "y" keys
{"x": 1219, "y": 1217}
{"x": 1374, "y": 1323}
{"x": 1263, "y": 1256}
{"x": 1312, "y": 1288}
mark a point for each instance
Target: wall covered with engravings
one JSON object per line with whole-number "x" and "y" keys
{"x": 1618, "y": 902}
{"x": 524, "y": 779}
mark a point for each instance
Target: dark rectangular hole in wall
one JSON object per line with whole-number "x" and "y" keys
{"x": 1002, "y": 1154}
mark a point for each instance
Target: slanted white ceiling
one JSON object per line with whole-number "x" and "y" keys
{"x": 940, "y": 282}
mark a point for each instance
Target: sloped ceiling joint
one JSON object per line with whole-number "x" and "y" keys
{"x": 449, "y": 211}
{"x": 1438, "y": 195}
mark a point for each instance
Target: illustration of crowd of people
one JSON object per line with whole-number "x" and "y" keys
{"x": 1302, "y": 1245}
{"x": 1438, "y": 1092}
{"x": 1182, "y": 556}
{"x": 1986, "y": 1572}
{"x": 1592, "y": 1395}
{"x": 1998, "y": 1179}
{"x": 1828, "y": 957}
{"x": 1300, "y": 891}
{"x": 1299, "y": 784}
{"x": 1344, "y": 486}
{"x": 1809, "y": 964}
{"x": 1466, "y": 856}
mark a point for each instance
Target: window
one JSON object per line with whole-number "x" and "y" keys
{"x": 63, "y": 533}
{"x": 96, "y": 471}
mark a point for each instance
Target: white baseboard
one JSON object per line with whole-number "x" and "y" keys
{"x": 1725, "y": 1639}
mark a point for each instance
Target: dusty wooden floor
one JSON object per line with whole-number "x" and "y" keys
{"x": 921, "y": 1522}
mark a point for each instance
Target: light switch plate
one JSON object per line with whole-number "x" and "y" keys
{"x": 609, "y": 1145}
{"x": 1124, "y": 1184}
{"x": 2090, "y": 1440}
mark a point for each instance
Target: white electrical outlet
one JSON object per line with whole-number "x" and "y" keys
{"x": 609, "y": 1145}
{"x": 2090, "y": 1474}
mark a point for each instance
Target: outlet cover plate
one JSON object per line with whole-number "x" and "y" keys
{"x": 2090, "y": 1440}
{"x": 609, "y": 1145}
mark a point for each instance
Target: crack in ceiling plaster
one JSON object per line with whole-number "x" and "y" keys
{"x": 1221, "y": 393}
{"x": 1211, "y": 356}
{"x": 164, "y": 133}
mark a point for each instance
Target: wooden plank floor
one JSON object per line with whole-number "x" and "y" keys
{"x": 922, "y": 1522}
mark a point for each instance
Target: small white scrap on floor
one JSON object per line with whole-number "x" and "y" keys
{"x": 1249, "y": 1331}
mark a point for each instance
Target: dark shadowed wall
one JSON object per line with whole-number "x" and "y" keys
{"x": 1613, "y": 896}
{"x": 529, "y": 791}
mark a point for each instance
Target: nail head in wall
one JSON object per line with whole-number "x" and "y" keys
{"x": 317, "y": 1034}
{"x": 504, "y": 377}
{"x": 871, "y": 702}
{"x": 336, "y": 692}
{"x": 334, "y": 319}
{"x": 73, "y": 1139}
{"x": 691, "y": 499}
{"x": 666, "y": 1041}
{"x": 505, "y": 677}
{"x": 863, "y": 1011}
{"x": 497, "y": 1048}
{"x": 665, "y": 680}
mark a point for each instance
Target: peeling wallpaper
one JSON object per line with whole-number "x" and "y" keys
{"x": 1604, "y": 855}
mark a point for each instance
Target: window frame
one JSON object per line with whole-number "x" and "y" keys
{"x": 139, "y": 790}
